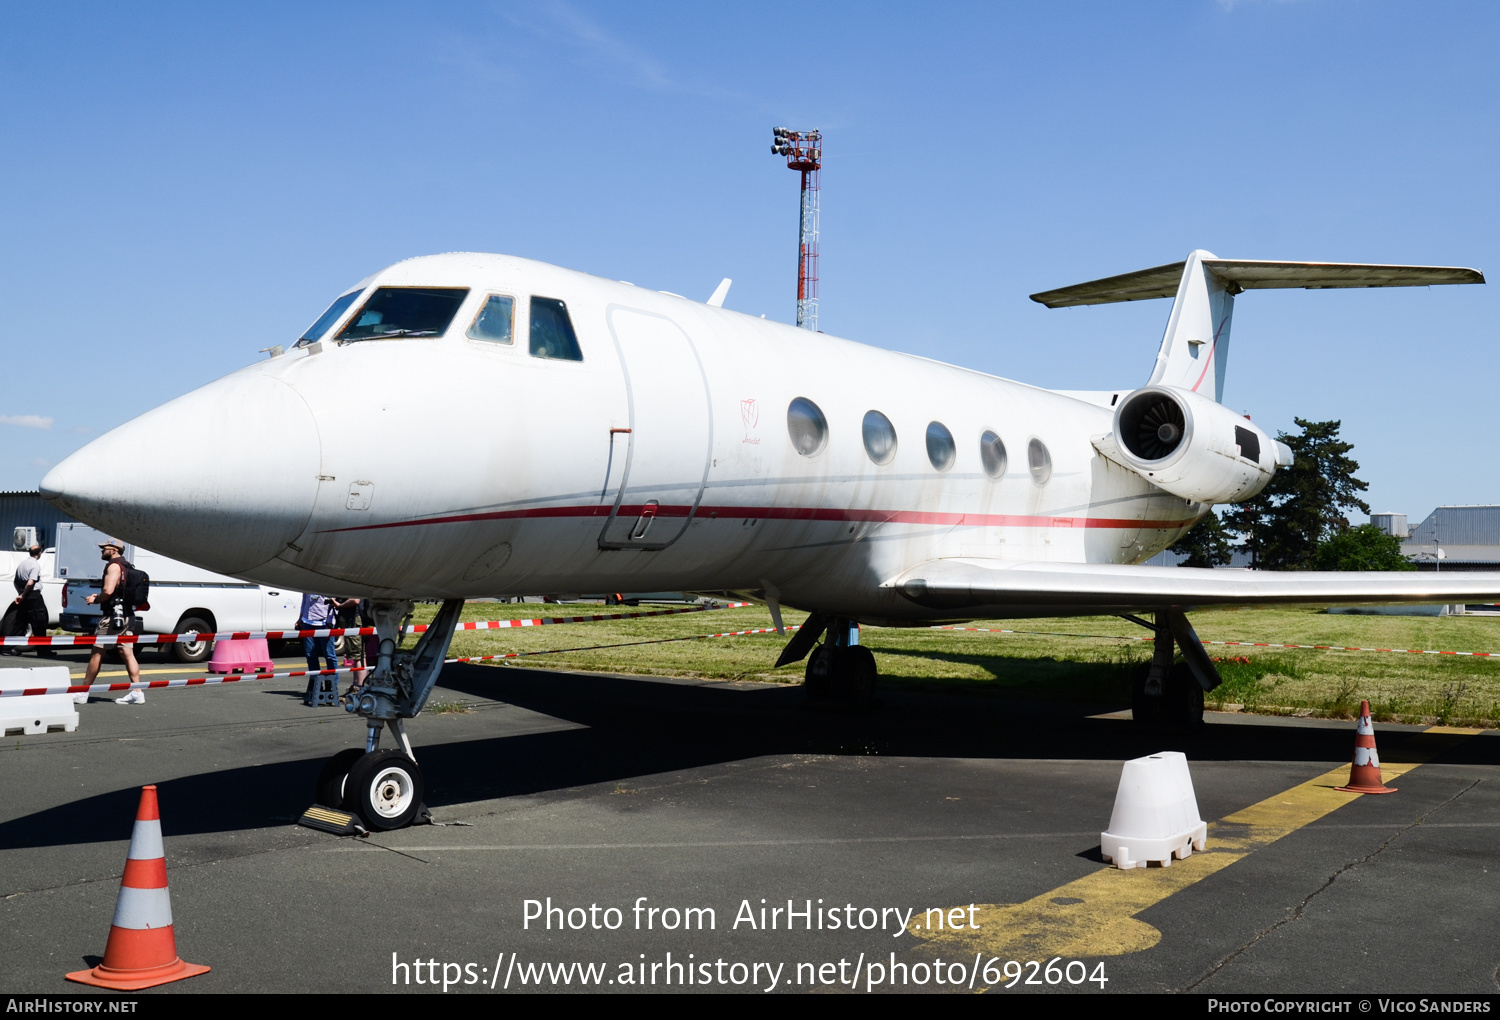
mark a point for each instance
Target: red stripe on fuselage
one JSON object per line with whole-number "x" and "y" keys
{"x": 776, "y": 513}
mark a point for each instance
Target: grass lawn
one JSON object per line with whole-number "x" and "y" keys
{"x": 1081, "y": 658}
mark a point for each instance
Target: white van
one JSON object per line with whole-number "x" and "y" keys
{"x": 182, "y": 597}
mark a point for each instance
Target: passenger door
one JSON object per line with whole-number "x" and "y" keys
{"x": 671, "y": 432}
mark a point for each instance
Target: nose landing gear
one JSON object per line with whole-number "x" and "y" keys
{"x": 384, "y": 789}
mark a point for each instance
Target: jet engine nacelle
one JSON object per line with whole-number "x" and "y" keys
{"x": 1191, "y": 446}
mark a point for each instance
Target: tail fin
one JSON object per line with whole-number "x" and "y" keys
{"x": 1195, "y": 348}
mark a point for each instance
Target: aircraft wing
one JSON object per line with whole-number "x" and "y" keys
{"x": 986, "y": 587}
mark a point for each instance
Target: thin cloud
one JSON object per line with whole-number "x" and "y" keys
{"x": 560, "y": 19}
{"x": 26, "y": 421}
{"x": 564, "y": 27}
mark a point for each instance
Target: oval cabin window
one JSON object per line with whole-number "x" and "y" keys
{"x": 806, "y": 426}
{"x": 940, "y": 448}
{"x": 880, "y": 437}
{"x": 1040, "y": 462}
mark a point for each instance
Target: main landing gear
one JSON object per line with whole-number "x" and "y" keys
{"x": 840, "y": 670}
{"x": 1168, "y": 694}
{"x": 384, "y": 788}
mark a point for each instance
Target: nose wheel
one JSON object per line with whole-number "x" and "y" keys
{"x": 384, "y": 788}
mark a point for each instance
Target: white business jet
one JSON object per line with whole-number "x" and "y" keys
{"x": 469, "y": 425}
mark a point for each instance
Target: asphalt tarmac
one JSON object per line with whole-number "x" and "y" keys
{"x": 709, "y": 801}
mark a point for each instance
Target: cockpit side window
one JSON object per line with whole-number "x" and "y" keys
{"x": 494, "y": 321}
{"x": 552, "y": 333}
{"x": 327, "y": 319}
{"x": 405, "y": 312}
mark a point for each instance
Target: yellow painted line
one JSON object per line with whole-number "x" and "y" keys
{"x": 1096, "y": 914}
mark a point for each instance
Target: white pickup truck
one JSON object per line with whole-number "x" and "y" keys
{"x": 182, "y": 597}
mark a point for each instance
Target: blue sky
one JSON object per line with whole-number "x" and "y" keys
{"x": 184, "y": 185}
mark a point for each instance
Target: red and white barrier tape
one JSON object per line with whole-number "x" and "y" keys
{"x": 205, "y": 681}
{"x": 99, "y": 640}
{"x": 1228, "y": 644}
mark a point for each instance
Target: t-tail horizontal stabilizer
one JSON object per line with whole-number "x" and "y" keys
{"x": 1195, "y": 348}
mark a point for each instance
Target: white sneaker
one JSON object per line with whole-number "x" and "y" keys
{"x": 133, "y": 698}
{"x": 80, "y": 699}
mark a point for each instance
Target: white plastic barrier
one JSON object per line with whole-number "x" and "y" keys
{"x": 36, "y": 714}
{"x": 1156, "y": 813}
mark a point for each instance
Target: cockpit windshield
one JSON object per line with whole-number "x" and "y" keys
{"x": 327, "y": 319}
{"x": 405, "y": 311}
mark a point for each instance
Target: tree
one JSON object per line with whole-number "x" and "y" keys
{"x": 1365, "y": 547}
{"x": 1304, "y": 505}
{"x": 1206, "y": 544}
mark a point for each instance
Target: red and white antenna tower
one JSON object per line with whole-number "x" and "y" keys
{"x": 804, "y": 151}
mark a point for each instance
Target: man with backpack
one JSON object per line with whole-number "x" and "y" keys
{"x": 118, "y": 604}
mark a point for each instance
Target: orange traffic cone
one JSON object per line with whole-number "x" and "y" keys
{"x": 1364, "y": 772}
{"x": 142, "y": 950}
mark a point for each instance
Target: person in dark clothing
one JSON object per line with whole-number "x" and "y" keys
{"x": 318, "y": 614}
{"x": 28, "y": 609}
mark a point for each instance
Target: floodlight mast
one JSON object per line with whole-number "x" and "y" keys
{"x": 804, "y": 152}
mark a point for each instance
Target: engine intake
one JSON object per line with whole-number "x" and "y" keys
{"x": 1191, "y": 446}
{"x": 1151, "y": 425}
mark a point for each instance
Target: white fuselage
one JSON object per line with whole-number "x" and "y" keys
{"x": 447, "y": 467}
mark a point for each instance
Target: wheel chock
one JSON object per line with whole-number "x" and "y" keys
{"x": 326, "y": 819}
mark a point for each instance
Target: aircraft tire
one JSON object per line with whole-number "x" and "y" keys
{"x": 818, "y": 678}
{"x": 854, "y": 675}
{"x": 1179, "y": 709}
{"x": 335, "y": 772}
{"x": 1145, "y": 710}
{"x": 385, "y": 788}
{"x": 1183, "y": 704}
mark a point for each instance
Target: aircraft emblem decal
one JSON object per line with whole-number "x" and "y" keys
{"x": 750, "y": 415}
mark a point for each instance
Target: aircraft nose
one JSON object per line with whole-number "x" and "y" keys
{"x": 222, "y": 477}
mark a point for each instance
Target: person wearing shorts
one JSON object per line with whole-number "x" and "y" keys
{"x": 119, "y": 615}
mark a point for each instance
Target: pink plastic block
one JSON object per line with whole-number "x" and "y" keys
{"x": 243, "y": 656}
